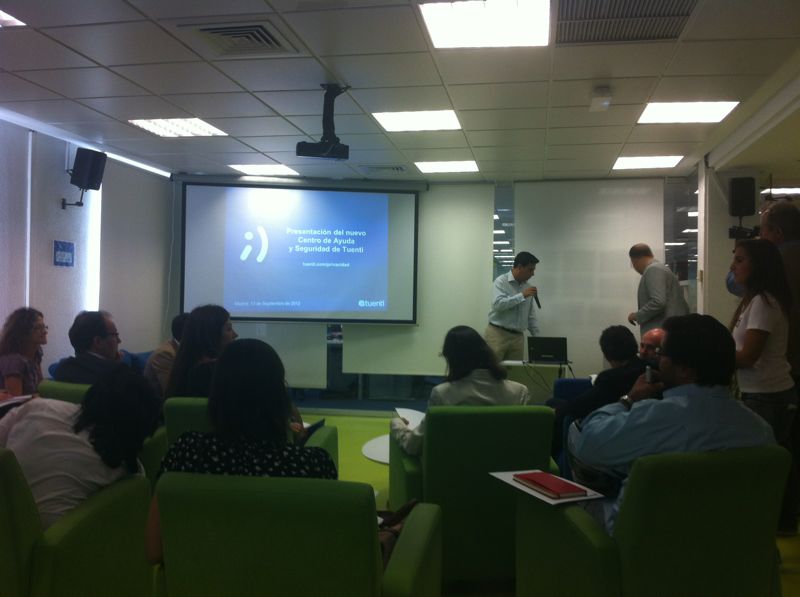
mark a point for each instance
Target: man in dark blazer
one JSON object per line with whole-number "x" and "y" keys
{"x": 95, "y": 338}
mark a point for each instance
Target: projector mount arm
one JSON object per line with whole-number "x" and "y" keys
{"x": 332, "y": 90}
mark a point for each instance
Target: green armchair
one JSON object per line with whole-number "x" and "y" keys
{"x": 256, "y": 536}
{"x": 61, "y": 390}
{"x": 462, "y": 445}
{"x": 191, "y": 414}
{"x": 95, "y": 550}
{"x": 693, "y": 525}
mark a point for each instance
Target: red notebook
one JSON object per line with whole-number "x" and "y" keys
{"x": 550, "y": 485}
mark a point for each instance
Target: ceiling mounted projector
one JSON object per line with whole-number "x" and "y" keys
{"x": 329, "y": 146}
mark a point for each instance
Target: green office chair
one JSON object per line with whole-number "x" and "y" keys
{"x": 462, "y": 445}
{"x": 261, "y": 536}
{"x": 692, "y": 525}
{"x": 191, "y": 414}
{"x": 62, "y": 390}
{"x": 95, "y": 550}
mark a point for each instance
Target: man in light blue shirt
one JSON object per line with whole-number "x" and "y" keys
{"x": 697, "y": 413}
{"x": 512, "y": 310}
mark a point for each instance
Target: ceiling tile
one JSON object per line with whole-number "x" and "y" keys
{"x": 623, "y": 91}
{"x": 302, "y": 103}
{"x": 239, "y": 158}
{"x": 510, "y": 166}
{"x": 484, "y": 120}
{"x": 499, "y": 95}
{"x": 15, "y": 89}
{"x": 495, "y": 154}
{"x": 593, "y": 134}
{"x": 582, "y": 164}
{"x": 46, "y": 13}
{"x": 184, "y": 162}
{"x": 305, "y": 5}
{"x": 750, "y": 57}
{"x": 103, "y": 132}
{"x": 254, "y": 127}
{"x": 195, "y": 8}
{"x": 496, "y": 65}
{"x": 22, "y": 48}
{"x": 582, "y": 174}
{"x": 83, "y": 82}
{"x": 220, "y": 105}
{"x": 640, "y": 149}
{"x": 611, "y": 60}
{"x": 181, "y": 77}
{"x": 387, "y": 70}
{"x": 290, "y": 158}
{"x": 276, "y": 143}
{"x": 326, "y": 169}
{"x": 403, "y": 99}
{"x": 56, "y": 111}
{"x": 130, "y": 108}
{"x": 359, "y": 31}
{"x": 276, "y": 74}
{"x": 367, "y": 142}
{"x": 382, "y": 156}
{"x": 534, "y": 137}
{"x": 722, "y": 19}
{"x": 670, "y": 133}
{"x": 452, "y": 154}
{"x": 565, "y": 117}
{"x": 196, "y": 145}
{"x": 345, "y": 123}
{"x": 705, "y": 87}
{"x": 576, "y": 152}
{"x": 121, "y": 43}
{"x": 426, "y": 139}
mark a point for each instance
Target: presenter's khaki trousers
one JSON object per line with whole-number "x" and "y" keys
{"x": 508, "y": 346}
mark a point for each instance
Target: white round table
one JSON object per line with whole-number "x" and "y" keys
{"x": 377, "y": 449}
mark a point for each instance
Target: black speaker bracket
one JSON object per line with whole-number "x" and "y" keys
{"x": 78, "y": 203}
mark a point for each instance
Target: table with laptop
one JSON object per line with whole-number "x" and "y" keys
{"x": 547, "y": 361}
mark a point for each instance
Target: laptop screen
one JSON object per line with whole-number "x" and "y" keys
{"x": 547, "y": 350}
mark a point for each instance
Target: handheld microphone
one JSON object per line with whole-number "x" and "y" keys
{"x": 536, "y": 298}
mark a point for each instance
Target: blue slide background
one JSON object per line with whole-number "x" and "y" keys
{"x": 288, "y": 280}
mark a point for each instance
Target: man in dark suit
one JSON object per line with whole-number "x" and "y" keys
{"x": 95, "y": 338}
{"x": 620, "y": 349}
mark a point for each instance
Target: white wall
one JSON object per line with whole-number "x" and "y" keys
{"x": 581, "y": 231}
{"x": 454, "y": 282}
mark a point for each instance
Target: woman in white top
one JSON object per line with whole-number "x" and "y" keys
{"x": 760, "y": 327}
{"x": 474, "y": 378}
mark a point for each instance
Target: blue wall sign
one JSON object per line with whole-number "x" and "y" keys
{"x": 63, "y": 253}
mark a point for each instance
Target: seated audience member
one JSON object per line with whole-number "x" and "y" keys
{"x": 95, "y": 339}
{"x": 474, "y": 378}
{"x": 69, "y": 451}
{"x": 650, "y": 346}
{"x": 207, "y": 331}
{"x": 249, "y": 410}
{"x": 696, "y": 414}
{"x": 618, "y": 346}
{"x": 24, "y": 333}
{"x": 159, "y": 364}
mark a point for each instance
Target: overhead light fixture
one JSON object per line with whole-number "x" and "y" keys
{"x": 782, "y": 191}
{"x": 179, "y": 127}
{"x": 264, "y": 169}
{"x": 693, "y": 214}
{"x": 501, "y": 242}
{"x": 420, "y": 120}
{"x": 496, "y": 217}
{"x": 499, "y": 231}
{"x": 685, "y": 230}
{"x": 646, "y": 162}
{"x": 6, "y": 20}
{"x": 442, "y": 167}
{"x": 506, "y": 250}
{"x": 601, "y": 99}
{"x": 674, "y": 244}
{"x": 677, "y": 112}
{"x": 488, "y": 23}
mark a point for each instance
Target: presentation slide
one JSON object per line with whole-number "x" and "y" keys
{"x": 300, "y": 254}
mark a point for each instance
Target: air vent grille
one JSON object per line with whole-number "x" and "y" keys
{"x": 384, "y": 169}
{"x": 614, "y": 21}
{"x": 246, "y": 40}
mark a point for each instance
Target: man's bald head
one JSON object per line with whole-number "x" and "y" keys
{"x": 641, "y": 255}
{"x": 650, "y": 345}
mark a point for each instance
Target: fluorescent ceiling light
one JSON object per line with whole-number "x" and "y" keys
{"x": 439, "y": 167}
{"x": 506, "y": 250}
{"x": 264, "y": 169}
{"x": 674, "y": 244}
{"x": 692, "y": 214}
{"x": 139, "y": 165}
{"x": 646, "y": 162}
{"x": 6, "y": 20}
{"x": 179, "y": 127}
{"x": 488, "y": 23}
{"x": 499, "y": 231}
{"x": 501, "y": 242}
{"x": 688, "y": 230}
{"x": 672, "y": 112}
{"x": 782, "y": 191}
{"x": 496, "y": 217}
{"x": 420, "y": 120}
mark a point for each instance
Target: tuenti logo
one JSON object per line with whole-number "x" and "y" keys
{"x": 363, "y": 303}
{"x": 248, "y": 248}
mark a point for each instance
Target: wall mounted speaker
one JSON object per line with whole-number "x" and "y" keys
{"x": 87, "y": 170}
{"x": 742, "y": 201}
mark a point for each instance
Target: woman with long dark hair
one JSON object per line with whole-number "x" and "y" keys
{"x": 474, "y": 378}
{"x": 760, "y": 327}
{"x": 21, "y": 341}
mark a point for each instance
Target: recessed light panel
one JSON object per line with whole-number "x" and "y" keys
{"x": 421, "y": 120}
{"x": 677, "y": 112}
{"x": 488, "y": 23}
{"x": 441, "y": 167}
{"x": 264, "y": 169}
{"x": 179, "y": 127}
{"x": 647, "y": 162}
{"x": 782, "y": 191}
{"x": 6, "y": 20}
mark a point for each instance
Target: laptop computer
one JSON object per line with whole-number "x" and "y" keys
{"x": 547, "y": 350}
